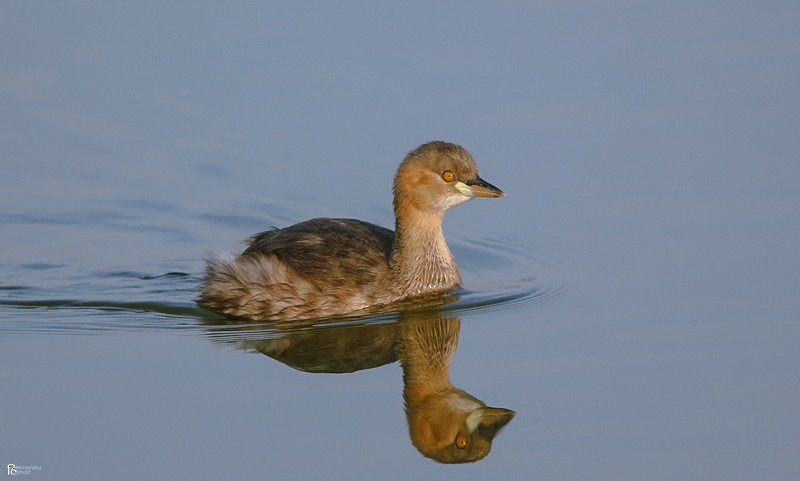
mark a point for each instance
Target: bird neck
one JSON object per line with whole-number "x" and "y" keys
{"x": 426, "y": 351}
{"x": 421, "y": 261}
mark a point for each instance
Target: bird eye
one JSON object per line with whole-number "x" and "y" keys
{"x": 461, "y": 441}
{"x": 448, "y": 176}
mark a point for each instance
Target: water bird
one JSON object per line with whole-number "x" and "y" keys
{"x": 329, "y": 267}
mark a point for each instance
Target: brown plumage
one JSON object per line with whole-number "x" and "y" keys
{"x": 445, "y": 423}
{"x": 326, "y": 267}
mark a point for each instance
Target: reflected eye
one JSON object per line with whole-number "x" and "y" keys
{"x": 448, "y": 176}
{"x": 461, "y": 441}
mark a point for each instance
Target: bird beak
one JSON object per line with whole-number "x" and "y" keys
{"x": 478, "y": 187}
{"x": 491, "y": 419}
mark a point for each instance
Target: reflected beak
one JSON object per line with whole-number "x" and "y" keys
{"x": 489, "y": 419}
{"x": 496, "y": 418}
{"x": 480, "y": 188}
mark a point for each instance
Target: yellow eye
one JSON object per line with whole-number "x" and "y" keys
{"x": 461, "y": 441}
{"x": 448, "y": 176}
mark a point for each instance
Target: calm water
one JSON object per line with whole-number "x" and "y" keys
{"x": 633, "y": 299}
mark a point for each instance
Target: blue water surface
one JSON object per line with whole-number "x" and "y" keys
{"x": 633, "y": 299}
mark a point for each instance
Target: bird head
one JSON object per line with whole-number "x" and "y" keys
{"x": 455, "y": 427}
{"x": 437, "y": 176}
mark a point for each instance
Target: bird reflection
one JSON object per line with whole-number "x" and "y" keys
{"x": 445, "y": 423}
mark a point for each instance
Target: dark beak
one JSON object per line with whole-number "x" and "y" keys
{"x": 481, "y": 188}
{"x": 495, "y": 418}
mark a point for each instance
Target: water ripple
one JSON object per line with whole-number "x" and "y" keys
{"x": 502, "y": 274}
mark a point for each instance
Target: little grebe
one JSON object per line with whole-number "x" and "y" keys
{"x": 327, "y": 267}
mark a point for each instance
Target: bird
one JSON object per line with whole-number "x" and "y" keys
{"x": 327, "y": 267}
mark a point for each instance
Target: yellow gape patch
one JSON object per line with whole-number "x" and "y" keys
{"x": 464, "y": 189}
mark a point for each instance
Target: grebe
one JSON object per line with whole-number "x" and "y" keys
{"x": 327, "y": 267}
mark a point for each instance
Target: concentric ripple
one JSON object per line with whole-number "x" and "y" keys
{"x": 501, "y": 274}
